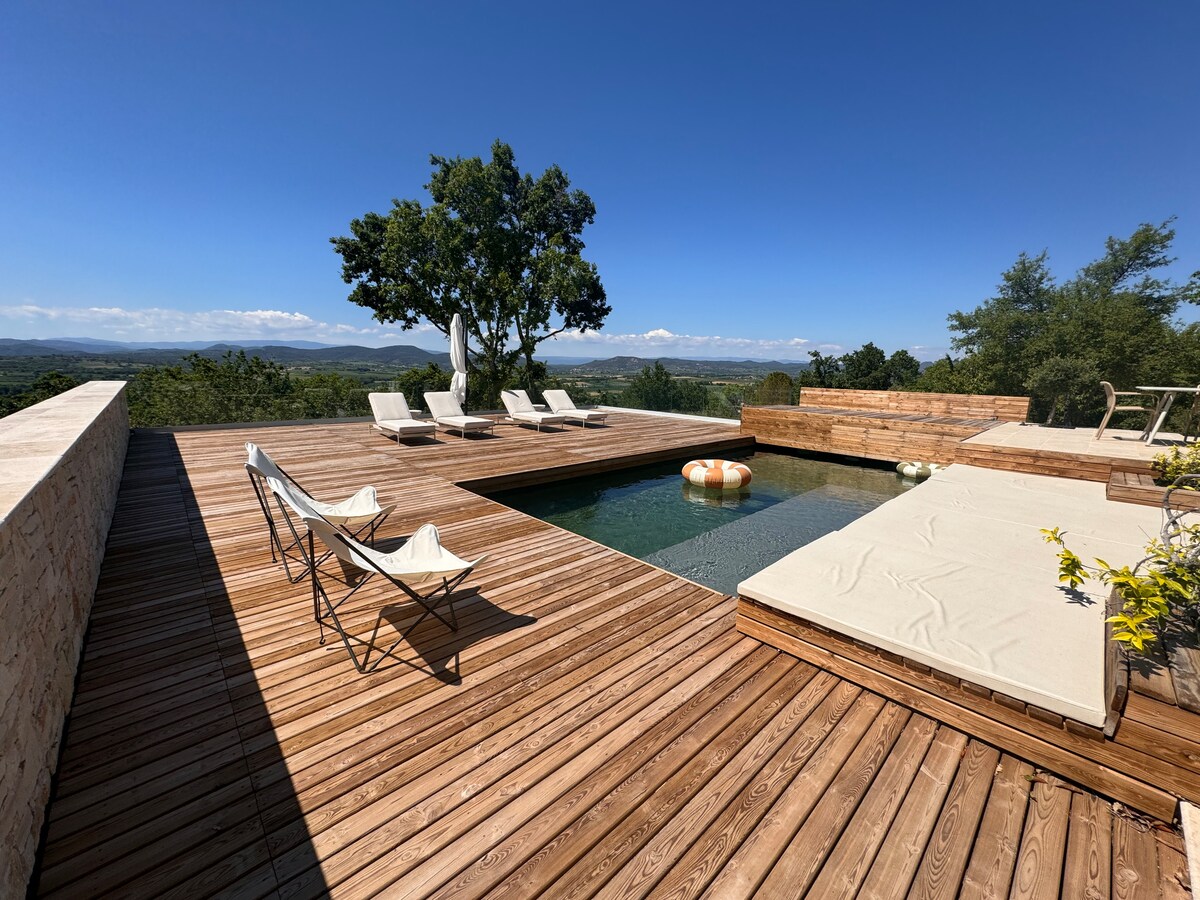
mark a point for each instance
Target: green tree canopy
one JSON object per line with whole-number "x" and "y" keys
{"x": 237, "y": 388}
{"x": 500, "y": 248}
{"x": 866, "y": 368}
{"x": 655, "y": 388}
{"x": 1114, "y": 320}
{"x": 47, "y": 385}
{"x": 774, "y": 390}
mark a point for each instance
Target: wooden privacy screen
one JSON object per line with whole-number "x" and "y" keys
{"x": 962, "y": 406}
{"x": 890, "y": 434}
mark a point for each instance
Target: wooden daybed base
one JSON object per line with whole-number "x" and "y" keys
{"x": 1139, "y": 768}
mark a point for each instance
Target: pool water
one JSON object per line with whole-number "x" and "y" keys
{"x": 714, "y": 537}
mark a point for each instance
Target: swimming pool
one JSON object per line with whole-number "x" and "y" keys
{"x": 716, "y": 538}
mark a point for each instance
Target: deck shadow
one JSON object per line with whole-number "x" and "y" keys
{"x": 197, "y": 829}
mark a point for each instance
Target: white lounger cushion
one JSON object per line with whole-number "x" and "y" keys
{"x": 392, "y": 414}
{"x": 560, "y": 402}
{"x": 536, "y": 407}
{"x": 446, "y": 412}
{"x": 955, "y": 574}
{"x": 520, "y": 409}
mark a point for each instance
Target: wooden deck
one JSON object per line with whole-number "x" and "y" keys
{"x": 596, "y": 727}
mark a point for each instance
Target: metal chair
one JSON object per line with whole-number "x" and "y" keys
{"x": 421, "y": 560}
{"x": 354, "y": 515}
{"x": 1114, "y": 399}
{"x": 1193, "y": 417}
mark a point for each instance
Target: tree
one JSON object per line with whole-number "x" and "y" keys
{"x": 866, "y": 368}
{"x": 1114, "y": 320}
{"x": 651, "y": 388}
{"x": 901, "y": 369}
{"x": 774, "y": 390}
{"x": 47, "y": 385}
{"x": 654, "y": 388}
{"x": 414, "y": 383}
{"x": 500, "y": 248}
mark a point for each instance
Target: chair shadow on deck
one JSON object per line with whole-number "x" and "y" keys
{"x": 439, "y": 648}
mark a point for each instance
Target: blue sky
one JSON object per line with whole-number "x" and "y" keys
{"x": 769, "y": 178}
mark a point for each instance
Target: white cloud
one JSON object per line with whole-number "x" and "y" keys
{"x": 157, "y": 323}
{"x": 661, "y": 342}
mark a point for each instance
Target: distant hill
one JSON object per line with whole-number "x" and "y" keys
{"x": 631, "y": 365}
{"x": 307, "y": 353}
{"x": 98, "y": 343}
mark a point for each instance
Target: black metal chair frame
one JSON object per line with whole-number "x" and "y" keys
{"x": 262, "y": 492}
{"x": 429, "y": 600}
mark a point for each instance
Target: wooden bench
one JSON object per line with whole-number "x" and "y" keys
{"x": 882, "y": 425}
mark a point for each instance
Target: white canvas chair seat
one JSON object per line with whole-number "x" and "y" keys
{"x": 356, "y": 514}
{"x": 355, "y": 510}
{"x": 448, "y": 414}
{"x": 392, "y": 416}
{"x": 422, "y": 560}
{"x": 562, "y": 404}
{"x": 522, "y": 411}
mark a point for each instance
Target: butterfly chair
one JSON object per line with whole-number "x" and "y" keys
{"x": 353, "y": 515}
{"x": 1113, "y": 398}
{"x": 422, "y": 560}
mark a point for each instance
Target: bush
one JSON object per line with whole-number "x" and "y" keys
{"x": 774, "y": 390}
{"x": 1171, "y": 464}
{"x": 654, "y": 388}
{"x": 1160, "y": 593}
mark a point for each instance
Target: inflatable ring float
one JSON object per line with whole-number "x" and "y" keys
{"x": 916, "y": 469}
{"x": 717, "y": 473}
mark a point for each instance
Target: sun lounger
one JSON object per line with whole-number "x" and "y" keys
{"x": 354, "y": 515}
{"x": 446, "y": 412}
{"x": 422, "y": 560}
{"x": 561, "y": 404}
{"x": 521, "y": 411}
{"x": 539, "y": 407}
{"x": 393, "y": 417}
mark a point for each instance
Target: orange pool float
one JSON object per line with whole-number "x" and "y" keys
{"x": 717, "y": 473}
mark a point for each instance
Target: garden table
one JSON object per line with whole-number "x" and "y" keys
{"x": 1163, "y": 407}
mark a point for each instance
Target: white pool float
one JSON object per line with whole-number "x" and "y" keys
{"x": 717, "y": 473}
{"x": 917, "y": 469}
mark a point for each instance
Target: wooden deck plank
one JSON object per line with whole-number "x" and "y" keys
{"x": 1088, "y": 870}
{"x": 945, "y": 860}
{"x": 802, "y": 858}
{"x": 843, "y": 872}
{"x": 597, "y": 725}
{"x": 1134, "y": 861}
{"x": 753, "y": 860}
{"x": 896, "y": 863}
{"x": 1040, "y": 858}
{"x": 994, "y": 855}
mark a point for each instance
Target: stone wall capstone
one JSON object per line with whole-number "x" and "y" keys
{"x": 60, "y": 469}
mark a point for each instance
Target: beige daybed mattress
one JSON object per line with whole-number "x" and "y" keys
{"x": 955, "y": 574}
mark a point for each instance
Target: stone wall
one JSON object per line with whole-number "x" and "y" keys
{"x": 60, "y": 468}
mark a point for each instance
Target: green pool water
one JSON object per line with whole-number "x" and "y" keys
{"x": 714, "y": 537}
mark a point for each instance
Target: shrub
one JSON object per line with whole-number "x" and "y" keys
{"x": 1171, "y": 464}
{"x": 1157, "y": 594}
